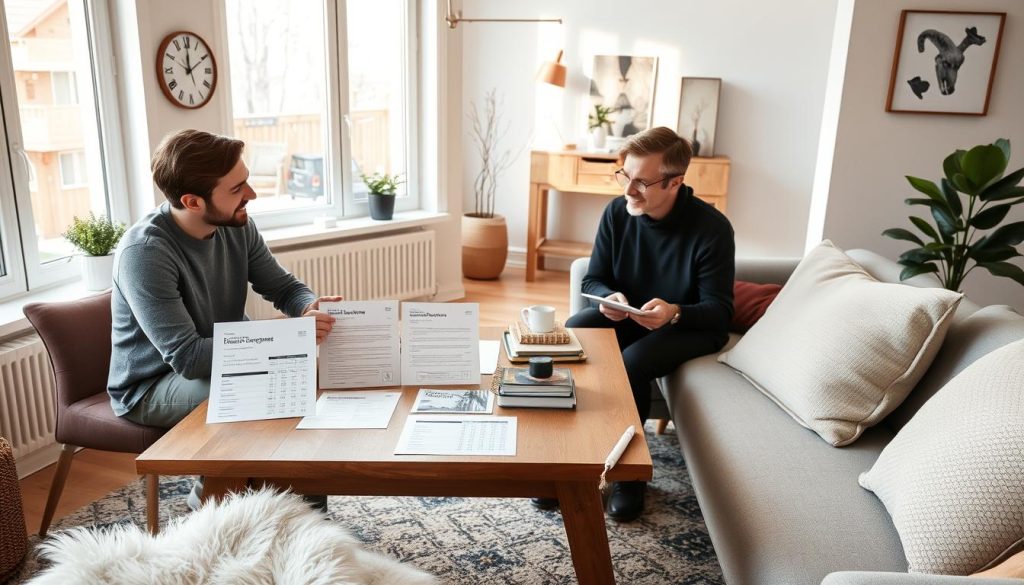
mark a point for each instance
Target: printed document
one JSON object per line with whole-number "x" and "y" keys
{"x": 454, "y": 401}
{"x": 439, "y": 343}
{"x": 458, "y": 435}
{"x": 363, "y": 349}
{"x": 488, "y": 356}
{"x": 262, "y": 370}
{"x": 352, "y": 410}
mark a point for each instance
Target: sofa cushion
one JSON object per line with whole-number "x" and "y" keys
{"x": 967, "y": 340}
{"x": 951, "y": 479}
{"x": 782, "y": 507}
{"x": 838, "y": 349}
{"x": 750, "y": 300}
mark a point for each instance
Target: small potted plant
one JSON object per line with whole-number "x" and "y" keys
{"x": 96, "y": 237}
{"x": 383, "y": 188}
{"x": 600, "y": 124}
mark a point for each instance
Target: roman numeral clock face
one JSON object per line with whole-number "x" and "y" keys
{"x": 186, "y": 70}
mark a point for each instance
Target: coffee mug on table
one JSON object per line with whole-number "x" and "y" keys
{"x": 539, "y": 318}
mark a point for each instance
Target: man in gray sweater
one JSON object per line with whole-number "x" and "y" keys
{"x": 184, "y": 267}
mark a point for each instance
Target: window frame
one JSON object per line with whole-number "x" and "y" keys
{"x": 26, "y": 270}
{"x": 337, "y": 141}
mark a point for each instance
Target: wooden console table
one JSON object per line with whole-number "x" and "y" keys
{"x": 593, "y": 174}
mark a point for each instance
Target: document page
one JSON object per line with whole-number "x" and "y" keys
{"x": 488, "y": 356}
{"x": 352, "y": 410}
{"x": 262, "y": 370}
{"x": 458, "y": 435}
{"x": 363, "y": 349}
{"x": 439, "y": 343}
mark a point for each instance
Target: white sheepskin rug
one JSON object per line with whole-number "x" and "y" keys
{"x": 260, "y": 537}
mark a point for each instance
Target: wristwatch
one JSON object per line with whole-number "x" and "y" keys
{"x": 675, "y": 318}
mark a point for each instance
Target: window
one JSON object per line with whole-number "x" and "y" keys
{"x": 320, "y": 91}
{"x": 72, "y": 170}
{"x": 58, "y": 133}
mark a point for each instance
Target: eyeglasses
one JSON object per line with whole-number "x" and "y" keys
{"x": 625, "y": 182}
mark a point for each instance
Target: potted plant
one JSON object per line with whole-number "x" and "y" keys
{"x": 953, "y": 242}
{"x": 485, "y": 233}
{"x": 96, "y": 237}
{"x": 599, "y": 123}
{"x": 383, "y": 188}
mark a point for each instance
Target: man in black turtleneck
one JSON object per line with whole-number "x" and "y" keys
{"x": 666, "y": 252}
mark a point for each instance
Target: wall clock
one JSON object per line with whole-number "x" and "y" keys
{"x": 186, "y": 70}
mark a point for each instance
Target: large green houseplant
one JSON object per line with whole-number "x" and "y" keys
{"x": 974, "y": 196}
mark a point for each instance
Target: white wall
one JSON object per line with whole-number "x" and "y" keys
{"x": 773, "y": 60}
{"x": 873, "y": 149}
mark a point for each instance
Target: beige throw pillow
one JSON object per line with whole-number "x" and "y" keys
{"x": 953, "y": 478}
{"x": 839, "y": 350}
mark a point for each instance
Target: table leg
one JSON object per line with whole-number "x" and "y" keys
{"x": 532, "y": 232}
{"x": 542, "y": 224}
{"x": 583, "y": 515}
{"x": 218, "y": 487}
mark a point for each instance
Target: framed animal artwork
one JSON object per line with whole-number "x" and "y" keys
{"x": 945, "y": 62}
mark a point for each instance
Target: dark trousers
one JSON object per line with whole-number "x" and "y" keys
{"x": 649, "y": 355}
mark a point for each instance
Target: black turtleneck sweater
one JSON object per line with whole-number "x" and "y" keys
{"x": 686, "y": 258}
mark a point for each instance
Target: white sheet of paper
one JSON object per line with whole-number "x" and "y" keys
{"x": 433, "y": 434}
{"x": 263, "y": 370}
{"x": 488, "y": 356}
{"x": 439, "y": 343}
{"x": 450, "y": 401}
{"x": 352, "y": 410}
{"x": 363, "y": 349}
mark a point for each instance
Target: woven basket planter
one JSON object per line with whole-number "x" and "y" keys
{"x": 13, "y": 537}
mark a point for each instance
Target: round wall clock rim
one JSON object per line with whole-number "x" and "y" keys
{"x": 160, "y": 71}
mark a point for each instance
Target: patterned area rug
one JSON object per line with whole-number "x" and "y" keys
{"x": 475, "y": 541}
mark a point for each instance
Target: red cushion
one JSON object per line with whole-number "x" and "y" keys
{"x": 750, "y": 301}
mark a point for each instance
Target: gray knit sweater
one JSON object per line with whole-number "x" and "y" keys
{"x": 169, "y": 290}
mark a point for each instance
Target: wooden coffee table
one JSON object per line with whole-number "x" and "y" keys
{"x": 560, "y": 453}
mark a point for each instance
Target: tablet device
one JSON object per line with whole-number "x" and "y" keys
{"x": 614, "y": 304}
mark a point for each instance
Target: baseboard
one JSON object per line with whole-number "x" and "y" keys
{"x": 32, "y": 462}
{"x": 517, "y": 259}
{"x": 452, "y": 293}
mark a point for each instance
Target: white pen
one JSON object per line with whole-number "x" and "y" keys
{"x": 617, "y": 451}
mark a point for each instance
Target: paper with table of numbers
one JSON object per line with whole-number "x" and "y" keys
{"x": 262, "y": 370}
{"x": 438, "y": 434}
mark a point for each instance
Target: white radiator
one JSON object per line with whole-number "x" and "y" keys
{"x": 27, "y": 415}
{"x": 393, "y": 267}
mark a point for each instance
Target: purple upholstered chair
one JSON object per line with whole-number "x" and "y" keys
{"x": 77, "y": 337}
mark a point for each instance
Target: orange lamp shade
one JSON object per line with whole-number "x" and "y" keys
{"x": 553, "y": 72}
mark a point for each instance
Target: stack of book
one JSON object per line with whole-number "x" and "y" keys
{"x": 517, "y": 388}
{"x": 561, "y": 345}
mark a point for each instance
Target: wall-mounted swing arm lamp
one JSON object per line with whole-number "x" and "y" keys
{"x": 454, "y": 18}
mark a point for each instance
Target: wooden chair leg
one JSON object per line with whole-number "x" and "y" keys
{"x": 67, "y": 452}
{"x": 660, "y": 426}
{"x": 153, "y": 503}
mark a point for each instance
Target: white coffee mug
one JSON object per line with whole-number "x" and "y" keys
{"x": 540, "y": 318}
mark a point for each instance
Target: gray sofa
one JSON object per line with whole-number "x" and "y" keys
{"x": 782, "y": 506}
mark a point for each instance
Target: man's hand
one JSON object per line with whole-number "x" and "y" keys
{"x": 657, "y": 314}
{"x": 614, "y": 314}
{"x": 324, "y": 322}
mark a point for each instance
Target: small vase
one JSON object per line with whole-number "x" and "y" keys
{"x": 382, "y": 206}
{"x": 598, "y": 136}
{"x": 97, "y": 271}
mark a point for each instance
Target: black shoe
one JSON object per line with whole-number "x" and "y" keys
{"x": 626, "y": 502}
{"x": 545, "y": 503}
{"x": 317, "y": 502}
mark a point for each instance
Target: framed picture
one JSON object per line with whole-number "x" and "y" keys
{"x": 945, "y": 62}
{"x": 698, "y": 113}
{"x": 625, "y": 85}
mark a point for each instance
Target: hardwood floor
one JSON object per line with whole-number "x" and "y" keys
{"x": 96, "y": 473}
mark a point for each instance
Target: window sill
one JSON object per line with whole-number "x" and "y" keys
{"x": 13, "y": 321}
{"x": 306, "y": 234}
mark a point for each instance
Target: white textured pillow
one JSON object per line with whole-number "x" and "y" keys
{"x": 953, "y": 478}
{"x": 839, "y": 350}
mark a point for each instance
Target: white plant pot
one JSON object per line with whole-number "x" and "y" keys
{"x": 597, "y": 138}
{"x": 97, "y": 271}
